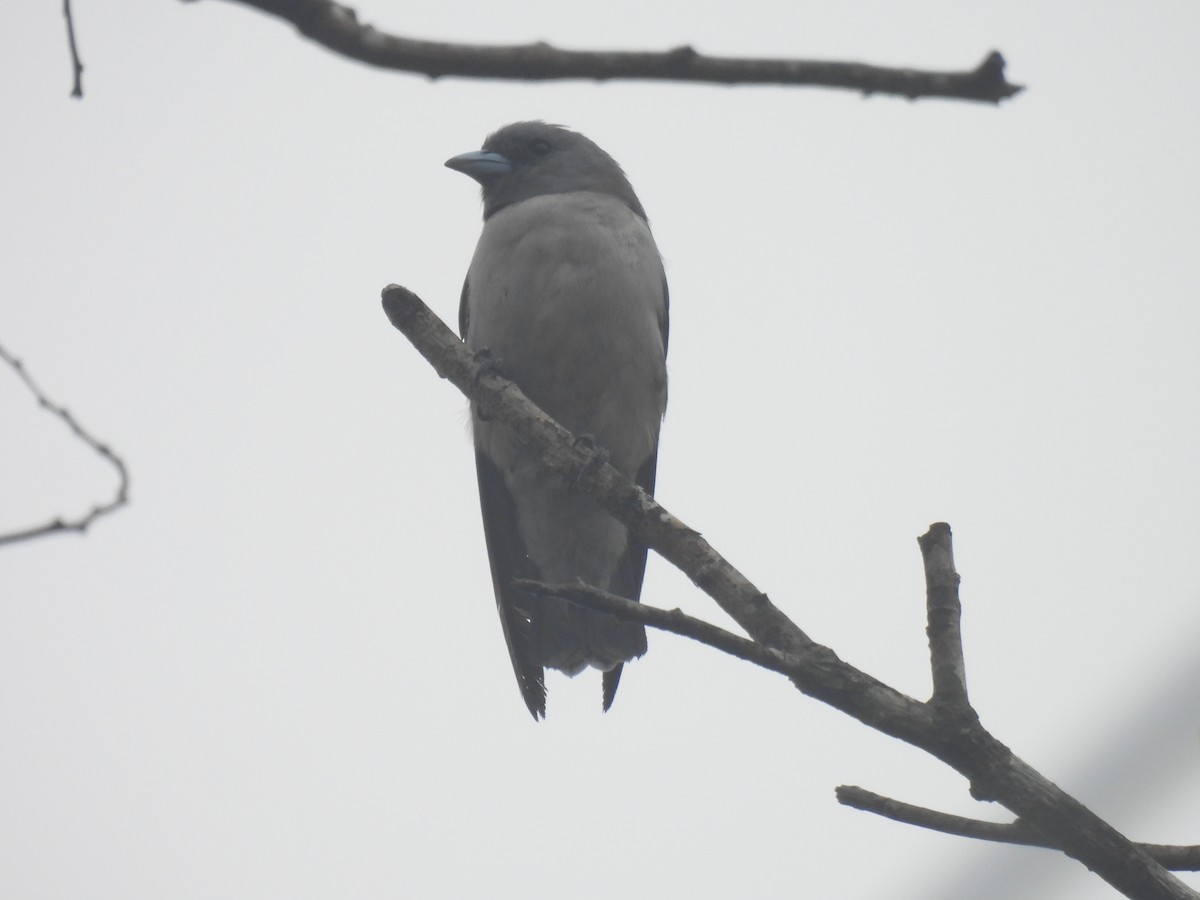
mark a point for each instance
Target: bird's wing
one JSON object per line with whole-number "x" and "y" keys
{"x": 509, "y": 560}
{"x": 627, "y": 579}
{"x": 464, "y": 311}
{"x": 631, "y": 569}
{"x": 664, "y": 320}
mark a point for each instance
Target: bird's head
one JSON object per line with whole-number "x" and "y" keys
{"x": 530, "y": 159}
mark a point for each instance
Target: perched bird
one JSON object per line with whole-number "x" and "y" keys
{"x": 567, "y": 294}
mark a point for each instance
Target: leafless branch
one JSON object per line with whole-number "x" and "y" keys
{"x": 1007, "y": 833}
{"x": 77, "y": 65}
{"x": 1170, "y": 856}
{"x": 953, "y": 736}
{"x": 676, "y": 621}
{"x": 944, "y": 614}
{"x": 682, "y": 546}
{"x": 64, "y": 525}
{"x": 337, "y": 28}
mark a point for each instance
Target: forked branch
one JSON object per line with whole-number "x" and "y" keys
{"x": 946, "y": 727}
{"x": 80, "y": 524}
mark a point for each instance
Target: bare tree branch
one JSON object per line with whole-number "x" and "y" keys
{"x": 59, "y": 525}
{"x": 1007, "y": 833}
{"x": 683, "y": 547}
{"x": 944, "y": 614}
{"x": 957, "y": 739}
{"x": 1170, "y": 856}
{"x": 676, "y": 621}
{"x": 337, "y": 28}
{"x": 76, "y": 64}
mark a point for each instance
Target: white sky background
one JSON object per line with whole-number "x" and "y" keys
{"x": 279, "y": 672}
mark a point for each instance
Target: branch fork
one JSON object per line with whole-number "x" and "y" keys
{"x": 120, "y": 496}
{"x": 946, "y": 726}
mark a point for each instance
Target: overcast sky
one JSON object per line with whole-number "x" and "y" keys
{"x": 279, "y": 673}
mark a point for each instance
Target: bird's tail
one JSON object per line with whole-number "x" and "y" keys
{"x": 573, "y": 638}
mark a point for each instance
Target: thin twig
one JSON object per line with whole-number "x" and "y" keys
{"x": 944, "y": 614}
{"x": 675, "y": 621}
{"x": 77, "y": 90}
{"x": 63, "y": 525}
{"x": 1171, "y": 856}
{"x": 338, "y": 28}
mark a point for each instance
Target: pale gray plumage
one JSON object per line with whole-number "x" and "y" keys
{"x": 566, "y": 292}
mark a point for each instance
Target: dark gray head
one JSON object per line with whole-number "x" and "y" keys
{"x": 529, "y": 159}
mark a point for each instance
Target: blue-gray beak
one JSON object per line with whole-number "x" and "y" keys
{"x": 482, "y": 165}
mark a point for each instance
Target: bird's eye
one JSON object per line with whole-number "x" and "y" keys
{"x": 541, "y": 146}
